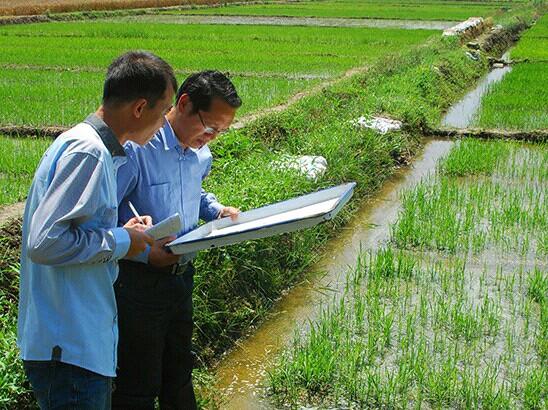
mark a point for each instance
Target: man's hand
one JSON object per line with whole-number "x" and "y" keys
{"x": 159, "y": 256}
{"x": 139, "y": 240}
{"x": 136, "y": 223}
{"x": 229, "y": 211}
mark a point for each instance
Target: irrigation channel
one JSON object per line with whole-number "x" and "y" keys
{"x": 461, "y": 115}
{"x": 294, "y": 21}
{"x": 241, "y": 373}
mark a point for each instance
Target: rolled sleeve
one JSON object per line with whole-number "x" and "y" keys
{"x": 122, "y": 242}
{"x": 209, "y": 206}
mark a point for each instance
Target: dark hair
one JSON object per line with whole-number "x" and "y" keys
{"x": 137, "y": 74}
{"x": 202, "y": 87}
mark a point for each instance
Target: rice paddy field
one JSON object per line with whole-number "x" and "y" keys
{"x": 52, "y": 75}
{"x": 391, "y": 9}
{"x": 519, "y": 101}
{"x": 452, "y": 312}
{"x": 268, "y": 64}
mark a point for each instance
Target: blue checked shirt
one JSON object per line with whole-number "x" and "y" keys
{"x": 162, "y": 178}
{"x": 70, "y": 248}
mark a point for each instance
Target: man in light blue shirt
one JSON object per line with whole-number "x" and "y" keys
{"x": 154, "y": 291}
{"x": 67, "y": 327}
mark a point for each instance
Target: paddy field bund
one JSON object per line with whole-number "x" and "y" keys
{"x": 417, "y": 305}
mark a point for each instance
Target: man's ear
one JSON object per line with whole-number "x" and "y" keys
{"x": 139, "y": 106}
{"x": 182, "y": 102}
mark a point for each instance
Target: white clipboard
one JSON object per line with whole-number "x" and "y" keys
{"x": 287, "y": 216}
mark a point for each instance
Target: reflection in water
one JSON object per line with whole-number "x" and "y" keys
{"x": 461, "y": 115}
{"x": 241, "y": 373}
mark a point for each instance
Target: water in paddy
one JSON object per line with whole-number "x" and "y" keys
{"x": 241, "y": 373}
{"x": 292, "y": 21}
{"x": 461, "y": 115}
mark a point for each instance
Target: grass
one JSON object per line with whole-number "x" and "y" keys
{"x": 417, "y": 330}
{"x": 437, "y": 10}
{"x": 19, "y": 158}
{"x": 268, "y": 64}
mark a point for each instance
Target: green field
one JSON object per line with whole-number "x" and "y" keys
{"x": 441, "y": 10}
{"x": 533, "y": 46}
{"x": 432, "y": 330}
{"x": 519, "y": 101}
{"x": 18, "y": 160}
{"x": 268, "y": 64}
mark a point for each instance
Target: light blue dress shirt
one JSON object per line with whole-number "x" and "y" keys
{"x": 162, "y": 178}
{"x": 70, "y": 249}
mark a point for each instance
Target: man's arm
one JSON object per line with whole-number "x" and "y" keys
{"x": 73, "y": 197}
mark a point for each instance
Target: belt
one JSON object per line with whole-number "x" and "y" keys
{"x": 176, "y": 269}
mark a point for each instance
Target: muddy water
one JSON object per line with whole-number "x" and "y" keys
{"x": 241, "y": 374}
{"x": 292, "y": 21}
{"x": 461, "y": 115}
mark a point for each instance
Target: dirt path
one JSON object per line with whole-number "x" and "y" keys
{"x": 293, "y": 21}
{"x": 9, "y": 212}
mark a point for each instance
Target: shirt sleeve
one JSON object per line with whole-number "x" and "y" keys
{"x": 76, "y": 195}
{"x": 209, "y": 206}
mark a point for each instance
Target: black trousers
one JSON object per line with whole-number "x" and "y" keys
{"x": 154, "y": 349}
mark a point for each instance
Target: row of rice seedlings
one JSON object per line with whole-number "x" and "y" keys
{"x": 501, "y": 206}
{"x": 245, "y": 49}
{"x": 437, "y": 10}
{"x": 412, "y": 333}
{"x": 65, "y": 98}
{"x": 18, "y": 160}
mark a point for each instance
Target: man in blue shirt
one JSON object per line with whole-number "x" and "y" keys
{"x": 154, "y": 291}
{"x": 67, "y": 327}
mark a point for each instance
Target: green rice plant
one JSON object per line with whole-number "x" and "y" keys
{"x": 455, "y": 358}
{"x": 66, "y": 98}
{"x": 473, "y": 157}
{"x": 534, "y": 43}
{"x": 439, "y": 10}
{"x": 538, "y": 286}
{"x": 323, "y": 51}
{"x": 507, "y": 106}
{"x": 500, "y": 204}
{"x": 18, "y": 160}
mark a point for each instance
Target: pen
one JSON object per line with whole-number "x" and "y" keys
{"x": 135, "y": 212}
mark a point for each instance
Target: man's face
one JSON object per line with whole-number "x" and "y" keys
{"x": 196, "y": 129}
{"x": 152, "y": 118}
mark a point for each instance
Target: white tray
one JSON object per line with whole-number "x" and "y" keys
{"x": 287, "y": 216}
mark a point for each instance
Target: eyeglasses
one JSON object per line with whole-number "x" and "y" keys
{"x": 210, "y": 130}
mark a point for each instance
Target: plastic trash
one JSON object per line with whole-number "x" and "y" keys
{"x": 311, "y": 166}
{"x": 380, "y": 124}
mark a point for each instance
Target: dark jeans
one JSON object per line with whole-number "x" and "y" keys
{"x": 62, "y": 386}
{"x": 154, "y": 350}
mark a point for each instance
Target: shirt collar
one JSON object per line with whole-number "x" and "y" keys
{"x": 107, "y": 135}
{"x": 171, "y": 140}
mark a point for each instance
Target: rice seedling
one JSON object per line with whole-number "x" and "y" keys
{"x": 533, "y": 45}
{"x": 65, "y": 98}
{"x": 507, "y": 106}
{"x": 460, "y": 355}
{"x": 247, "y": 49}
{"x": 500, "y": 206}
{"x": 438, "y": 10}
{"x": 18, "y": 160}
